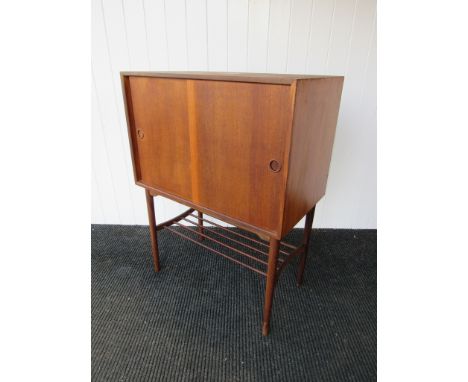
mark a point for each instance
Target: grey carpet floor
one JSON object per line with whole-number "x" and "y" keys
{"x": 199, "y": 319}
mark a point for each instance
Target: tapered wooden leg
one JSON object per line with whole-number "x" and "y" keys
{"x": 270, "y": 285}
{"x": 152, "y": 227}
{"x": 200, "y": 225}
{"x": 305, "y": 242}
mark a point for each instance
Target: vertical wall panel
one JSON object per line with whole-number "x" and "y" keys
{"x": 238, "y": 17}
{"x": 336, "y": 60}
{"x": 176, "y": 34}
{"x": 119, "y": 59}
{"x": 259, "y": 15}
{"x": 347, "y": 157}
{"x": 114, "y": 24}
{"x": 300, "y": 36}
{"x": 338, "y": 50}
{"x": 156, "y": 30}
{"x": 278, "y": 35}
{"x": 367, "y": 152}
{"x": 217, "y": 34}
{"x": 196, "y": 35}
{"x": 96, "y": 207}
{"x": 105, "y": 106}
{"x": 359, "y": 44}
{"x": 104, "y": 185}
{"x": 319, "y": 39}
{"x": 137, "y": 37}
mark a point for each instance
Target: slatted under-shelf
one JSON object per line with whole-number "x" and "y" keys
{"x": 233, "y": 244}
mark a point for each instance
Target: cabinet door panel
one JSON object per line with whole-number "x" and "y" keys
{"x": 161, "y": 134}
{"x": 236, "y": 130}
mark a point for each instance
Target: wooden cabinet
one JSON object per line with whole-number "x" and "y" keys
{"x": 250, "y": 149}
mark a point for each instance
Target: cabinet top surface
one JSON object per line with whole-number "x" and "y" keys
{"x": 270, "y": 78}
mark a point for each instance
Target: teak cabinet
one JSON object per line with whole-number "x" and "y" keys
{"x": 250, "y": 149}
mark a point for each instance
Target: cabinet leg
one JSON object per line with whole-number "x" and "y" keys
{"x": 270, "y": 285}
{"x": 305, "y": 242}
{"x": 152, "y": 227}
{"x": 200, "y": 225}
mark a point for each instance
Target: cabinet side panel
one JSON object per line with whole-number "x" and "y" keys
{"x": 315, "y": 117}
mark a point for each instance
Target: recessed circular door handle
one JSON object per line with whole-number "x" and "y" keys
{"x": 275, "y": 166}
{"x": 140, "y": 133}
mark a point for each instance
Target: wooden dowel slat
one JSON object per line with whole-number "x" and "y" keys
{"x": 222, "y": 244}
{"x": 229, "y": 238}
{"x": 244, "y": 236}
{"x": 174, "y": 219}
{"x": 217, "y": 252}
{"x": 293, "y": 254}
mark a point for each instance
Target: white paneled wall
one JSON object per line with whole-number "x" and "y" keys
{"x": 278, "y": 36}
